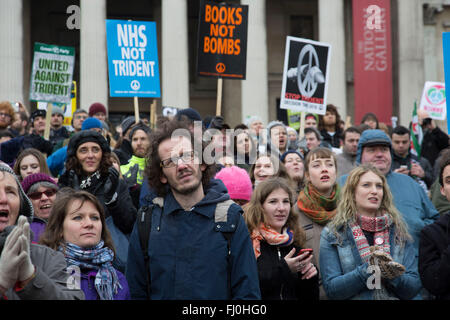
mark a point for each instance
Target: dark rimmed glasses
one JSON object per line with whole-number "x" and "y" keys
{"x": 171, "y": 162}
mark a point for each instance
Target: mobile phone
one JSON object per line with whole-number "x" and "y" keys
{"x": 305, "y": 250}
{"x": 404, "y": 167}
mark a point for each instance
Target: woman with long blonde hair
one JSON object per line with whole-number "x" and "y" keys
{"x": 366, "y": 251}
{"x": 285, "y": 272}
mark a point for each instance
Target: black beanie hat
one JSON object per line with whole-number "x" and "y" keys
{"x": 191, "y": 113}
{"x": 139, "y": 126}
{"x": 37, "y": 113}
{"x": 86, "y": 136}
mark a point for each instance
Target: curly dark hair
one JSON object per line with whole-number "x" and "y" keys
{"x": 72, "y": 163}
{"x": 333, "y": 109}
{"x": 153, "y": 170}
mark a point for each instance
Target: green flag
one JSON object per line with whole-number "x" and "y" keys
{"x": 415, "y": 146}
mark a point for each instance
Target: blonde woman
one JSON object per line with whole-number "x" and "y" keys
{"x": 366, "y": 251}
{"x": 285, "y": 272}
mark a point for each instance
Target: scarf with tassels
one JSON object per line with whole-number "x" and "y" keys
{"x": 271, "y": 237}
{"x": 317, "y": 207}
{"x": 379, "y": 226}
{"x": 98, "y": 258}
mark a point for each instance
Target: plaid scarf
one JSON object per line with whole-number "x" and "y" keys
{"x": 271, "y": 237}
{"x": 318, "y": 208}
{"x": 98, "y": 258}
{"x": 379, "y": 226}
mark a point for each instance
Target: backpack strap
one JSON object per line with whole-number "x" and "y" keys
{"x": 144, "y": 225}
{"x": 227, "y": 226}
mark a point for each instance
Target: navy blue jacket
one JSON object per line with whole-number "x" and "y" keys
{"x": 188, "y": 254}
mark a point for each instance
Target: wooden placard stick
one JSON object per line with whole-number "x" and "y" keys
{"x": 219, "y": 97}
{"x": 48, "y": 117}
{"x": 136, "y": 109}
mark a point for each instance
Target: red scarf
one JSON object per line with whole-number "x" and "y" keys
{"x": 271, "y": 237}
{"x": 379, "y": 226}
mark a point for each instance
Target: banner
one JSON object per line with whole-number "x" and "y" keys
{"x": 222, "y": 40}
{"x": 372, "y": 59}
{"x": 52, "y": 72}
{"x": 433, "y": 100}
{"x": 133, "y": 67}
{"x": 305, "y": 75}
{"x": 68, "y": 109}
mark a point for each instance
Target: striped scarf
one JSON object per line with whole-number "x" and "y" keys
{"x": 379, "y": 226}
{"x": 318, "y": 208}
{"x": 271, "y": 237}
{"x": 98, "y": 258}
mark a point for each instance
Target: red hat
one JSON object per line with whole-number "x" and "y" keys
{"x": 95, "y": 108}
{"x": 237, "y": 182}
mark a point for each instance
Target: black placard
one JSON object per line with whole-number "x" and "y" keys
{"x": 222, "y": 40}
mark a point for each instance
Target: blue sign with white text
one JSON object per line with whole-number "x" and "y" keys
{"x": 132, "y": 59}
{"x": 446, "y": 49}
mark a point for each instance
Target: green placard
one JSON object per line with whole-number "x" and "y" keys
{"x": 52, "y": 72}
{"x": 293, "y": 119}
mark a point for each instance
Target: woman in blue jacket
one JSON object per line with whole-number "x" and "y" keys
{"x": 366, "y": 251}
{"x": 77, "y": 228}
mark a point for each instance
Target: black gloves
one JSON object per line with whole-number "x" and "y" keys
{"x": 111, "y": 186}
{"x": 74, "y": 183}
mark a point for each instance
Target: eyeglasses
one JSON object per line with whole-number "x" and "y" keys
{"x": 38, "y": 195}
{"x": 173, "y": 161}
{"x": 6, "y": 115}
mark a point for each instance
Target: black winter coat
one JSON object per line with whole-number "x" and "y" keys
{"x": 276, "y": 280}
{"x": 122, "y": 210}
{"x": 124, "y": 152}
{"x": 434, "y": 257}
{"x": 433, "y": 142}
{"x": 334, "y": 140}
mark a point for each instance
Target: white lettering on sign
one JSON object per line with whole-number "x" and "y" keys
{"x": 132, "y": 42}
{"x": 374, "y": 19}
{"x": 127, "y": 35}
{"x": 375, "y": 44}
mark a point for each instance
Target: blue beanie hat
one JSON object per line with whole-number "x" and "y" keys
{"x": 90, "y": 123}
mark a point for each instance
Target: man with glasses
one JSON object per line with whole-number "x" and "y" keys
{"x": 190, "y": 256}
{"x": 41, "y": 189}
{"x": 6, "y": 114}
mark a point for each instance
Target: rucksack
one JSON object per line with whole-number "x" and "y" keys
{"x": 223, "y": 223}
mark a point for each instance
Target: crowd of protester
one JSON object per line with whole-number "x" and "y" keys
{"x": 192, "y": 208}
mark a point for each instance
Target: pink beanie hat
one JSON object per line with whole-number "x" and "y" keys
{"x": 237, "y": 182}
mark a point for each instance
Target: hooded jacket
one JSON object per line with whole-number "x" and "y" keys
{"x": 50, "y": 280}
{"x": 434, "y": 257}
{"x": 188, "y": 253}
{"x": 409, "y": 197}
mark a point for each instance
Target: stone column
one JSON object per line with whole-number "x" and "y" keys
{"x": 410, "y": 57}
{"x": 11, "y": 51}
{"x": 332, "y": 31}
{"x": 175, "y": 55}
{"x": 255, "y": 92}
{"x": 93, "y": 57}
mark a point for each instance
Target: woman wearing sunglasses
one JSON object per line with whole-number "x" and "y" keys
{"x": 41, "y": 189}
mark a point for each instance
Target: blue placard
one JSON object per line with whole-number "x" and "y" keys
{"x": 132, "y": 59}
{"x": 446, "y": 49}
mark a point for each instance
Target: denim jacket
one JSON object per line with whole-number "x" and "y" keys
{"x": 345, "y": 275}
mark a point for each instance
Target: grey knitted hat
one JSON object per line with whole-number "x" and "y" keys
{"x": 26, "y": 207}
